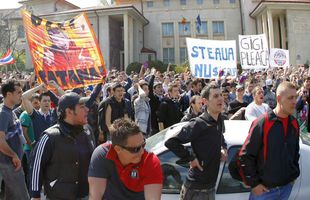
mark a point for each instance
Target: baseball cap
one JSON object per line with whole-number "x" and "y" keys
{"x": 157, "y": 83}
{"x": 269, "y": 82}
{"x": 69, "y": 100}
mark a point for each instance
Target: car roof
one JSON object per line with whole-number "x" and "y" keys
{"x": 236, "y": 132}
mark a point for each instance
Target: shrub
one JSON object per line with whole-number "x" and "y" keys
{"x": 134, "y": 66}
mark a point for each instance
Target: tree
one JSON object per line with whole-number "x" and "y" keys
{"x": 10, "y": 28}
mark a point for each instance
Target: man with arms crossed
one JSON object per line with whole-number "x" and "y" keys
{"x": 123, "y": 170}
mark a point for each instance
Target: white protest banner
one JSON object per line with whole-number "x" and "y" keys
{"x": 279, "y": 58}
{"x": 208, "y": 57}
{"x": 254, "y": 52}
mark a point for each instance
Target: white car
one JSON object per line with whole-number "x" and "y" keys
{"x": 226, "y": 186}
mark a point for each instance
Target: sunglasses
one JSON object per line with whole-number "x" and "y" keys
{"x": 134, "y": 149}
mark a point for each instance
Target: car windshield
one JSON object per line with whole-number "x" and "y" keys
{"x": 158, "y": 140}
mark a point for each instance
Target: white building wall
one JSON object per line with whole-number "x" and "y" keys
{"x": 247, "y": 7}
{"x": 229, "y": 13}
{"x": 298, "y": 31}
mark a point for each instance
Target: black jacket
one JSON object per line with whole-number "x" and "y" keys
{"x": 269, "y": 157}
{"x": 154, "y": 104}
{"x": 170, "y": 112}
{"x": 206, "y": 137}
{"x": 60, "y": 162}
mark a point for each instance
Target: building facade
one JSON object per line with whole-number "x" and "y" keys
{"x": 140, "y": 30}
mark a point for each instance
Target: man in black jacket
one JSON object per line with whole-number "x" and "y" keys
{"x": 170, "y": 111}
{"x": 206, "y": 136}
{"x": 270, "y": 155}
{"x": 155, "y": 95}
{"x": 60, "y": 159}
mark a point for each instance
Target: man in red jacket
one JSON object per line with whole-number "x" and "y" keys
{"x": 270, "y": 154}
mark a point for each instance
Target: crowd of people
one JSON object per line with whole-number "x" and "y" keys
{"x": 89, "y": 142}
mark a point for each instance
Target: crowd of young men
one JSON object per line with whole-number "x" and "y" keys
{"x": 56, "y": 133}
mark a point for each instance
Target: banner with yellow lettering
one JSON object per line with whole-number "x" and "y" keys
{"x": 66, "y": 52}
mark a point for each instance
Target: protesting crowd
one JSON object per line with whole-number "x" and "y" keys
{"x": 88, "y": 143}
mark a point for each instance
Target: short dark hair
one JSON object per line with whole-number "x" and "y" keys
{"x": 44, "y": 94}
{"x": 9, "y": 87}
{"x": 307, "y": 79}
{"x": 121, "y": 130}
{"x": 35, "y": 96}
{"x": 206, "y": 90}
{"x": 116, "y": 85}
{"x": 62, "y": 115}
{"x": 225, "y": 90}
{"x": 196, "y": 81}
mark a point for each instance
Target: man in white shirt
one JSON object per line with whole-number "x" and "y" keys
{"x": 257, "y": 107}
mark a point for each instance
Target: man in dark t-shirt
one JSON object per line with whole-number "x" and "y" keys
{"x": 238, "y": 103}
{"x": 11, "y": 141}
{"x": 124, "y": 170}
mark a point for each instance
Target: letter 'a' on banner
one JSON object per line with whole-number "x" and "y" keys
{"x": 66, "y": 52}
{"x": 279, "y": 58}
{"x": 208, "y": 57}
{"x": 254, "y": 52}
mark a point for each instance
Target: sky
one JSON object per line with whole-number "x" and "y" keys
{"x": 80, "y": 3}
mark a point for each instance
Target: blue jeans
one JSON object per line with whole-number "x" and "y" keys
{"x": 15, "y": 186}
{"x": 278, "y": 193}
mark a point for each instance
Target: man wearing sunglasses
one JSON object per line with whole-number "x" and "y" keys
{"x": 124, "y": 170}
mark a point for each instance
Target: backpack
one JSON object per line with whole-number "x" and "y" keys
{"x": 235, "y": 167}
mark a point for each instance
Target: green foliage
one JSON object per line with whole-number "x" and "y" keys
{"x": 158, "y": 65}
{"x": 135, "y": 66}
{"x": 20, "y": 60}
{"x": 182, "y": 68}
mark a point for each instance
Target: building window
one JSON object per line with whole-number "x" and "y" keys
{"x": 199, "y": 2}
{"x": 218, "y": 28}
{"x": 184, "y": 29}
{"x": 168, "y": 55}
{"x": 149, "y": 4}
{"x": 183, "y": 2}
{"x": 202, "y": 29}
{"x": 232, "y": 1}
{"x": 166, "y": 3}
{"x": 20, "y": 31}
{"x": 183, "y": 55}
{"x": 167, "y": 29}
{"x": 216, "y": 1}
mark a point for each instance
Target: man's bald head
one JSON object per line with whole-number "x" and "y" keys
{"x": 284, "y": 86}
{"x": 286, "y": 99}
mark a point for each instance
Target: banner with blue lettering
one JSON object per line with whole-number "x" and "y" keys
{"x": 208, "y": 57}
{"x": 279, "y": 58}
{"x": 254, "y": 52}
